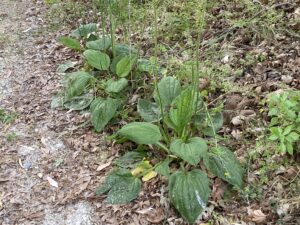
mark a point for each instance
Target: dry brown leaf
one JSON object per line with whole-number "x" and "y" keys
{"x": 103, "y": 166}
{"x": 256, "y": 216}
{"x": 52, "y": 182}
{"x": 218, "y": 190}
{"x": 156, "y": 216}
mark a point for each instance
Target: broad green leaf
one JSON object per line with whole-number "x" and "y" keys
{"x": 70, "y": 42}
{"x": 169, "y": 88}
{"x": 289, "y": 148}
{"x": 163, "y": 168}
{"x": 144, "y": 65}
{"x": 123, "y": 49}
{"x": 223, "y": 163}
{"x": 293, "y": 137}
{"x": 129, "y": 159}
{"x": 121, "y": 186}
{"x": 148, "y": 110}
{"x": 97, "y": 59}
{"x": 274, "y": 121}
{"x": 84, "y": 30}
{"x": 100, "y": 44}
{"x": 57, "y": 101}
{"x": 273, "y": 137}
{"x": 112, "y": 178}
{"x": 141, "y": 133}
{"x": 183, "y": 108}
{"x": 288, "y": 129}
{"x": 95, "y": 103}
{"x": 64, "y": 67}
{"x": 124, "y": 191}
{"x": 189, "y": 193}
{"x": 113, "y": 65}
{"x": 79, "y": 102}
{"x": 192, "y": 151}
{"x": 103, "y": 112}
{"x": 125, "y": 65}
{"x": 116, "y": 86}
{"x": 217, "y": 123}
{"x": 76, "y": 83}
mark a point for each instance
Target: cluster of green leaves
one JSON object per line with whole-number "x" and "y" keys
{"x": 7, "y": 118}
{"x": 172, "y": 123}
{"x": 284, "y": 110}
{"x": 101, "y": 84}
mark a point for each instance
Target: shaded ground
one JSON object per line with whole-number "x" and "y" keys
{"x": 50, "y": 166}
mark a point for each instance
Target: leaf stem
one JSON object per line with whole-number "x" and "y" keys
{"x": 162, "y": 146}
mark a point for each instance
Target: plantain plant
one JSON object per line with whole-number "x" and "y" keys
{"x": 101, "y": 84}
{"x": 184, "y": 146}
{"x": 176, "y": 130}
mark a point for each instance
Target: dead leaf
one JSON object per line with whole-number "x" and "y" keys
{"x": 144, "y": 211}
{"x": 218, "y": 190}
{"x": 256, "y": 216}
{"x": 156, "y": 216}
{"x": 103, "y": 166}
{"x": 237, "y": 120}
{"x": 237, "y": 134}
{"x": 52, "y": 182}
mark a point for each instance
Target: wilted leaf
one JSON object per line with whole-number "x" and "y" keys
{"x": 141, "y": 167}
{"x": 149, "y": 176}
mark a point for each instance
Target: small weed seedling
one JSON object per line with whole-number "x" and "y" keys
{"x": 284, "y": 110}
{"x": 7, "y": 118}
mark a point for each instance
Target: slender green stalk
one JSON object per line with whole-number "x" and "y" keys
{"x": 155, "y": 73}
{"x": 201, "y": 23}
{"x": 162, "y": 146}
{"x": 112, "y": 29}
{"x": 212, "y": 125}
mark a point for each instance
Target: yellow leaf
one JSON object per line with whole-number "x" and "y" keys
{"x": 141, "y": 167}
{"x": 149, "y": 176}
{"x": 137, "y": 171}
